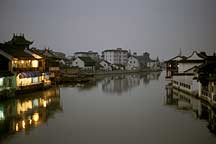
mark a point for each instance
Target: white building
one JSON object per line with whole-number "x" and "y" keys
{"x": 133, "y": 63}
{"x": 184, "y": 79}
{"x": 105, "y": 66}
{"x": 116, "y": 56}
{"x": 84, "y": 63}
{"x": 195, "y": 59}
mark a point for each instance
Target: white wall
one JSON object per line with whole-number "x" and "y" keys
{"x": 116, "y": 57}
{"x": 79, "y": 63}
{"x": 187, "y": 79}
{"x": 132, "y": 64}
{"x": 105, "y": 66}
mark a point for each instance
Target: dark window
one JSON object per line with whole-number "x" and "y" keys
{"x": 40, "y": 64}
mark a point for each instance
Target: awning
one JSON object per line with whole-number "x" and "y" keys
{"x": 29, "y": 74}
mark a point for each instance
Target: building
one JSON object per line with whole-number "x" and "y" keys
{"x": 27, "y": 67}
{"x": 154, "y": 64}
{"x": 52, "y": 62}
{"x": 105, "y": 66}
{"x": 206, "y": 75}
{"x": 84, "y": 63}
{"x": 142, "y": 62}
{"x": 171, "y": 66}
{"x": 133, "y": 63}
{"x": 7, "y": 83}
{"x": 116, "y": 56}
{"x": 91, "y": 54}
{"x": 184, "y": 78}
{"x": 194, "y": 75}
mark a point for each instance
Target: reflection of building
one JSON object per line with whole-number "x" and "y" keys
{"x": 121, "y": 83}
{"x": 187, "y": 102}
{"x": 27, "y": 112}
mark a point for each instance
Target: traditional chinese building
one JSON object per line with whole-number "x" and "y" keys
{"x": 28, "y": 67}
{"x": 207, "y": 78}
{"x": 52, "y": 62}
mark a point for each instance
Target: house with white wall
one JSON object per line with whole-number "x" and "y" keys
{"x": 105, "y": 65}
{"x": 84, "y": 63}
{"x": 133, "y": 63}
{"x": 171, "y": 66}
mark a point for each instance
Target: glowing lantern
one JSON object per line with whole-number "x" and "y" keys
{"x": 35, "y": 117}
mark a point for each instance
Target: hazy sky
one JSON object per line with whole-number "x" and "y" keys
{"x": 159, "y": 27}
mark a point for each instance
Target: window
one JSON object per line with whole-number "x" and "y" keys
{"x": 1, "y": 82}
{"x": 40, "y": 64}
{"x": 34, "y": 63}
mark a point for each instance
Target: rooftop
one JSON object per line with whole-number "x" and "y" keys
{"x": 88, "y": 61}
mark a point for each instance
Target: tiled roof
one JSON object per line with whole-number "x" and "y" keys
{"x": 17, "y": 53}
{"x": 19, "y": 40}
{"x": 116, "y": 50}
{"x": 88, "y": 61}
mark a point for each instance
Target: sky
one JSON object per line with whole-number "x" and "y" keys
{"x": 160, "y": 27}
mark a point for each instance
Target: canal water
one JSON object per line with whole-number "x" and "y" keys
{"x": 120, "y": 109}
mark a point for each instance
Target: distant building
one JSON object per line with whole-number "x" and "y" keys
{"x": 142, "y": 62}
{"x": 84, "y": 63}
{"x": 154, "y": 64}
{"x": 91, "y": 54}
{"x": 133, "y": 63}
{"x": 105, "y": 65}
{"x": 116, "y": 56}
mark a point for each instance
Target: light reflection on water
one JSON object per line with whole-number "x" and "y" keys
{"x": 132, "y": 108}
{"x": 28, "y": 111}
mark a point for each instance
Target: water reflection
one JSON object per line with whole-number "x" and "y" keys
{"x": 185, "y": 102}
{"x": 28, "y": 111}
{"x": 121, "y": 83}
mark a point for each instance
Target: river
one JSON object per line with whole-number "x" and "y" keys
{"x": 120, "y": 109}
